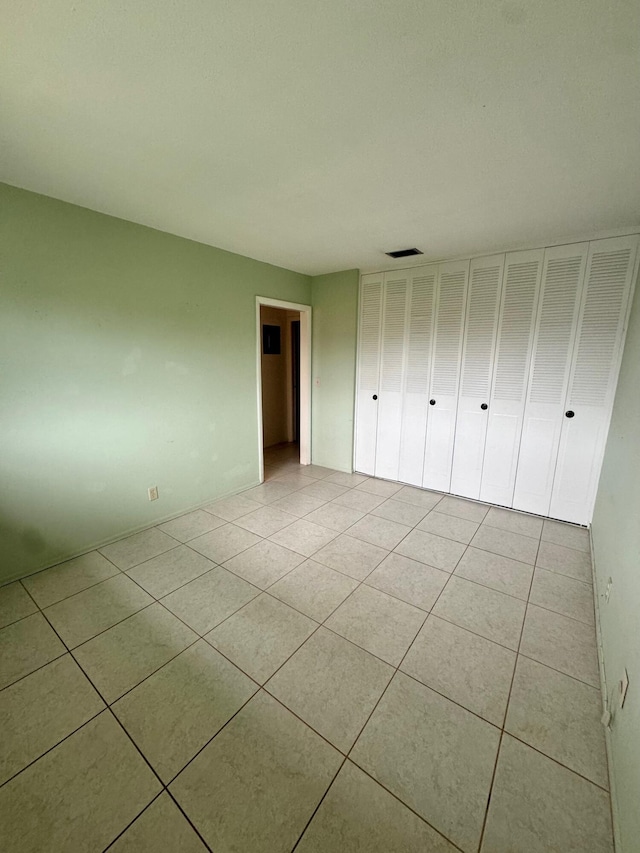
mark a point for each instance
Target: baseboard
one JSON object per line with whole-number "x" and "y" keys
{"x": 605, "y": 702}
{"x": 129, "y": 532}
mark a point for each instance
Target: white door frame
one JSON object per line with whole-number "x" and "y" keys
{"x": 305, "y": 376}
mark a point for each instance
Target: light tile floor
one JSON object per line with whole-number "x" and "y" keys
{"x": 326, "y": 662}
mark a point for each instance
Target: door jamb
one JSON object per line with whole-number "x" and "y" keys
{"x": 305, "y": 376}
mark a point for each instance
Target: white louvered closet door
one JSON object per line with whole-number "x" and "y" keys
{"x": 520, "y": 291}
{"x": 391, "y": 383}
{"x": 445, "y": 373}
{"x": 419, "y": 342}
{"x": 592, "y": 383}
{"x": 562, "y": 278}
{"x": 368, "y": 370}
{"x": 483, "y": 305}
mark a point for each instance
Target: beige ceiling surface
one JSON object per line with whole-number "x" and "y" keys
{"x": 317, "y": 135}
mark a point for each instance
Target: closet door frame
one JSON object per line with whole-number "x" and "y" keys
{"x": 366, "y": 412}
{"x": 506, "y": 415}
{"x": 415, "y": 409}
{"x": 441, "y": 422}
{"x": 542, "y": 423}
{"x": 393, "y": 329}
{"x": 473, "y": 408}
{"x": 528, "y": 415}
{"x": 590, "y": 424}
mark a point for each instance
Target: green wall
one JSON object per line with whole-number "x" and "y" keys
{"x": 616, "y": 541}
{"x": 127, "y": 359}
{"x": 335, "y": 320}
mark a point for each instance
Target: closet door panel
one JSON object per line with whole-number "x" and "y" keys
{"x": 368, "y": 372}
{"x": 592, "y": 382}
{"x": 483, "y": 304}
{"x": 521, "y": 286}
{"x": 419, "y": 343}
{"x": 391, "y": 375}
{"x": 562, "y": 278}
{"x": 445, "y": 374}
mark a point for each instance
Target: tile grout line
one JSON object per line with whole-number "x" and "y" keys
{"x": 215, "y": 565}
{"x": 109, "y": 709}
{"x": 504, "y": 719}
{"x": 360, "y": 583}
{"x": 322, "y": 798}
{"x": 396, "y": 669}
{"x": 130, "y": 824}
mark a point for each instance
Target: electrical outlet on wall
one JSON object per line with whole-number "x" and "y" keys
{"x": 152, "y": 491}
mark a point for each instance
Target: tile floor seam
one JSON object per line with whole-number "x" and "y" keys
{"x": 429, "y": 614}
{"x": 263, "y": 687}
{"x": 246, "y": 604}
{"x": 555, "y": 761}
{"x": 267, "y": 538}
{"x": 562, "y": 575}
{"x": 506, "y": 529}
{"x": 485, "y": 586}
{"x": 62, "y": 563}
{"x": 382, "y": 785}
{"x": 189, "y": 821}
{"x": 559, "y": 671}
{"x": 396, "y": 670}
{"x": 391, "y": 594}
{"x": 495, "y": 554}
{"x": 186, "y": 583}
{"x": 448, "y": 698}
{"x": 168, "y": 609}
{"x": 70, "y": 651}
{"x": 322, "y": 798}
{"x": 107, "y": 707}
{"x": 504, "y": 717}
{"x": 215, "y": 735}
{"x": 410, "y": 808}
{"x": 104, "y": 630}
{"x": 56, "y": 744}
{"x": 163, "y": 787}
{"x": 568, "y": 547}
{"x": 475, "y": 633}
{"x": 130, "y": 824}
{"x": 321, "y": 624}
{"x": 37, "y": 668}
{"x": 558, "y": 613}
{"x": 66, "y": 597}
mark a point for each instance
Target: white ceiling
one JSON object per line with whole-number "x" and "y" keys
{"x": 317, "y": 134}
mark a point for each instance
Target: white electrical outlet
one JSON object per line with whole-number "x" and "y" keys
{"x": 607, "y": 591}
{"x": 152, "y": 491}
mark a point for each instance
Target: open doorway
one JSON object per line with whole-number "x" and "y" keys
{"x": 284, "y": 392}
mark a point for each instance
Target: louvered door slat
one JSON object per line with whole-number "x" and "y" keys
{"x": 391, "y": 375}
{"x": 513, "y": 352}
{"x": 592, "y": 381}
{"x": 553, "y": 343}
{"x": 418, "y": 371}
{"x": 483, "y": 303}
{"x": 368, "y": 372}
{"x": 447, "y": 352}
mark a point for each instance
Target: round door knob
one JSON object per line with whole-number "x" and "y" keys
{"x": 375, "y": 397}
{"x": 432, "y": 402}
{"x": 484, "y": 407}
{"x": 569, "y": 414}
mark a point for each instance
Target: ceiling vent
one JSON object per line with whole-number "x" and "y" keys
{"x": 404, "y": 253}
